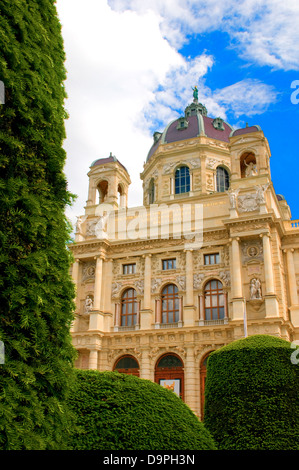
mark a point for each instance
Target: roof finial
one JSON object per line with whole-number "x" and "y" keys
{"x": 195, "y": 94}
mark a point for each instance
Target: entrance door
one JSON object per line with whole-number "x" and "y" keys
{"x": 169, "y": 373}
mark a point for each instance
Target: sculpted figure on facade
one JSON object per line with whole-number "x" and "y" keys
{"x": 260, "y": 192}
{"x": 232, "y": 194}
{"x": 255, "y": 289}
{"x": 251, "y": 169}
{"x": 88, "y": 305}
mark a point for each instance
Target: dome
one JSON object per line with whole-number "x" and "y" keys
{"x": 246, "y": 130}
{"x": 196, "y": 122}
{"x": 193, "y": 124}
{"x": 103, "y": 161}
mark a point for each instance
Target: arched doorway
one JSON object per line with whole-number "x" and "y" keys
{"x": 169, "y": 373}
{"x": 127, "y": 365}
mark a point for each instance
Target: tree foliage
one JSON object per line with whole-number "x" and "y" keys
{"x": 122, "y": 412}
{"x": 36, "y": 291}
{"x": 252, "y": 395}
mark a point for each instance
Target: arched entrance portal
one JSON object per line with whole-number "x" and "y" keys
{"x": 127, "y": 365}
{"x": 203, "y": 375}
{"x": 169, "y": 373}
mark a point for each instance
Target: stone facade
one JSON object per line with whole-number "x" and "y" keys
{"x": 234, "y": 270}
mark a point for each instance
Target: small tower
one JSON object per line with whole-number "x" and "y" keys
{"x": 108, "y": 183}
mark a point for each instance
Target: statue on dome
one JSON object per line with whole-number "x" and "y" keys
{"x": 195, "y": 93}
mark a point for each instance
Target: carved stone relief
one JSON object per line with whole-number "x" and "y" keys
{"x": 155, "y": 284}
{"x": 89, "y": 269}
{"x": 181, "y": 281}
{"x": 140, "y": 286}
{"x": 248, "y": 203}
{"x": 116, "y": 287}
{"x": 225, "y": 277}
{"x": 197, "y": 281}
{"x": 252, "y": 250}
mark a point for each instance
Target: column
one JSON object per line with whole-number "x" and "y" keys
{"x": 75, "y": 277}
{"x": 271, "y": 302}
{"x": 117, "y": 316}
{"x": 93, "y": 359}
{"x": 181, "y": 307}
{"x": 201, "y": 309}
{"x": 108, "y": 276}
{"x": 292, "y": 277}
{"x": 137, "y": 325}
{"x": 75, "y": 272}
{"x": 294, "y": 307}
{"x": 236, "y": 269}
{"x": 189, "y": 278}
{"x": 225, "y": 306}
{"x": 147, "y": 283}
{"x": 158, "y": 310}
{"x": 268, "y": 265}
{"x": 98, "y": 283}
{"x": 238, "y": 306}
{"x": 96, "y": 318}
{"x": 145, "y": 366}
{"x": 191, "y": 379}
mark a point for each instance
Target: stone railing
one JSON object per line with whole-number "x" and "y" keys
{"x": 291, "y": 224}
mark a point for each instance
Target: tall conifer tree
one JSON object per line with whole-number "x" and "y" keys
{"x": 36, "y": 290}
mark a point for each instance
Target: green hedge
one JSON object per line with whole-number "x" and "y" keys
{"x": 252, "y": 395}
{"x": 36, "y": 290}
{"x": 121, "y": 412}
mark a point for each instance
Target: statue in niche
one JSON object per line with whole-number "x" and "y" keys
{"x": 88, "y": 304}
{"x": 255, "y": 289}
{"x": 251, "y": 169}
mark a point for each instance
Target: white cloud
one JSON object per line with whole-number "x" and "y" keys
{"x": 263, "y": 31}
{"x": 114, "y": 62}
{"x": 125, "y": 78}
{"x": 247, "y": 97}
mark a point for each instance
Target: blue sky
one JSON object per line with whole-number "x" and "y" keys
{"x": 132, "y": 64}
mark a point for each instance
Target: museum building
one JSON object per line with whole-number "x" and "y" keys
{"x": 211, "y": 256}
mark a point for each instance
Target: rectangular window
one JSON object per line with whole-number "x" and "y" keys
{"x": 169, "y": 264}
{"x": 129, "y": 268}
{"x": 212, "y": 258}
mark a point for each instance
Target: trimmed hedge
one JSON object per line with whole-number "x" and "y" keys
{"x": 252, "y": 395}
{"x": 122, "y": 412}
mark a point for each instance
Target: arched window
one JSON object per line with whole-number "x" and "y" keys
{"x": 127, "y": 365}
{"x": 214, "y": 300}
{"x": 182, "y": 180}
{"x": 170, "y": 304}
{"x": 151, "y": 192}
{"x": 129, "y": 308}
{"x": 102, "y": 190}
{"x": 222, "y": 179}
